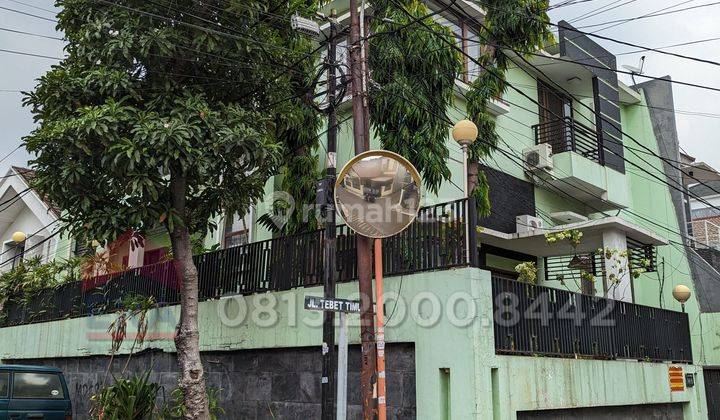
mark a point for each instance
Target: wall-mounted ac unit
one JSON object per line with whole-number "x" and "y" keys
{"x": 527, "y": 223}
{"x": 538, "y": 157}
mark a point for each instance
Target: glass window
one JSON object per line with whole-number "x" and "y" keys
{"x": 4, "y": 384}
{"x": 237, "y": 231}
{"x": 37, "y": 385}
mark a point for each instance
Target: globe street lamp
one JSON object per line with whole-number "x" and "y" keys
{"x": 682, "y": 294}
{"x": 19, "y": 238}
{"x": 465, "y": 132}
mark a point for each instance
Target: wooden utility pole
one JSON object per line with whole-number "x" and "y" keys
{"x": 328, "y": 348}
{"x": 364, "y": 244}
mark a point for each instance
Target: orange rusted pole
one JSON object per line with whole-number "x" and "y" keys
{"x": 380, "y": 332}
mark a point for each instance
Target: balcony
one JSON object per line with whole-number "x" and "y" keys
{"x": 568, "y": 135}
{"x": 579, "y": 165}
{"x": 542, "y": 321}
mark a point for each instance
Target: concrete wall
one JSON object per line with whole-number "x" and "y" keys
{"x": 255, "y": 384}
{"x": 447, "y": 316}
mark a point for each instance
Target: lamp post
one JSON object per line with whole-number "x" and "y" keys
{"x": 19, "y": 238}
{"x": 465, "y": 133}
{"x": 682, "y": 294}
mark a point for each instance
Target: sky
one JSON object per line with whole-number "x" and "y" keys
{"x": 699, "y": 134}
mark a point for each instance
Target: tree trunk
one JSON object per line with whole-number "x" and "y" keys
{"x": 187, "y": 334}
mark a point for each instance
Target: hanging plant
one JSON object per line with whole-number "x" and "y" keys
{"x": 527, "y": 272}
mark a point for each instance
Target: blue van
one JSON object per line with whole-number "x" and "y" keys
{"x": 33, "y": 392}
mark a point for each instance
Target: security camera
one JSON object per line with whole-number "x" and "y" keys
{"x": 305, "y": 26}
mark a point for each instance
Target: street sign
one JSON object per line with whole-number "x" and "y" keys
{"x": 377, "y": 193}
{"x": 314, "y": 303}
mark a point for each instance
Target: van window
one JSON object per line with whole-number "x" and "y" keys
{"x": 4, "y": 384}
{"x": 38, "y": 385}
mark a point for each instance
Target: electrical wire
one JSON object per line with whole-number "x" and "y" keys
{"x": 605, "y": 9}
{"x": 27, "y": 14}
{"x": 660, "y": 12}
{"x": 31, "y": 34}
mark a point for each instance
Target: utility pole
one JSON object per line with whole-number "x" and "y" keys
{"x": 364, "y": 253}
{"x": 328, "y": 348}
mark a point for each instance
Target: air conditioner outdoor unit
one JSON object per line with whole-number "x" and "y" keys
{"x": 538, "y": 157}
{"x": 527, "y": 223}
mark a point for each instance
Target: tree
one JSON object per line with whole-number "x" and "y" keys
{"x": 414, "y": 62}
{"x": 167, "y": 113}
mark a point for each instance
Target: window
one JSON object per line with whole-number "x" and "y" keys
{"x": 237, "y": 231}
{"x": 38, "y": 385}
{"x": 4, "y": 384}
{"x": 468, "y": 39}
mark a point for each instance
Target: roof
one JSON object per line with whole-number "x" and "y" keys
{"x": 28, "y": 175}
{"x": 35, "y": 368}
{"x": 707, "y": 188}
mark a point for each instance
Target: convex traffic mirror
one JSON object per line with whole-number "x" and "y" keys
{"x": 377, "y": 193}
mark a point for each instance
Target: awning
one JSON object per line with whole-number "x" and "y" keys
{"x": 533, "y": 242}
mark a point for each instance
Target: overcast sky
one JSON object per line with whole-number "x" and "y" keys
{"x": 699, "y": 134}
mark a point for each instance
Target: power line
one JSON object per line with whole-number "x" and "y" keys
{"x": 31, "y": 34}
{"x": 452, "y": 45}
{"x": 10, "y": 153}
{"x": 28, "y": 14}
{"x": 605, "y": 9}
{"x": 621, "y": 21}
{"x": 655, "y": 11}
{"x": 30, "y": 54}
{"x": 33, "y": 6}
{"x": 644, "y": 48}
{"x": 582, "y": 16}
{"x": 520, "y": 53}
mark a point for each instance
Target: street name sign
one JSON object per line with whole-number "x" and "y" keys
{"x": 314, "y": 303}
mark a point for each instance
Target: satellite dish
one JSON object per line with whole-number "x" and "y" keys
{"x": 377, "y": 193}
{"x": 635, "y": 70}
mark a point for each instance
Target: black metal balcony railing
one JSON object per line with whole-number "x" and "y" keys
{"x": 568, "y": 135}
{"x": 536, "y": 320}
{"x": 568, "y": 268}
{"x": 436, "y": 240}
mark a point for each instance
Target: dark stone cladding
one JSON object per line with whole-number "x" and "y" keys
{"x": 509, "y": 197}
{"x": 582, "y": 49}
{"x": 256, "y": 384}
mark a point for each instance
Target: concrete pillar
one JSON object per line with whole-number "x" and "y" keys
{"x": 616, "y": 240}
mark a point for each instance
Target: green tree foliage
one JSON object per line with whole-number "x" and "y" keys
{"x": 413, "y": 72}
{"x": 168, "y": 113}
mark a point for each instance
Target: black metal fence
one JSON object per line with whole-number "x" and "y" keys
{"x": 568, "y": 135}
{"x": 436, "y": 240}
{"x": 536, "y": 320}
